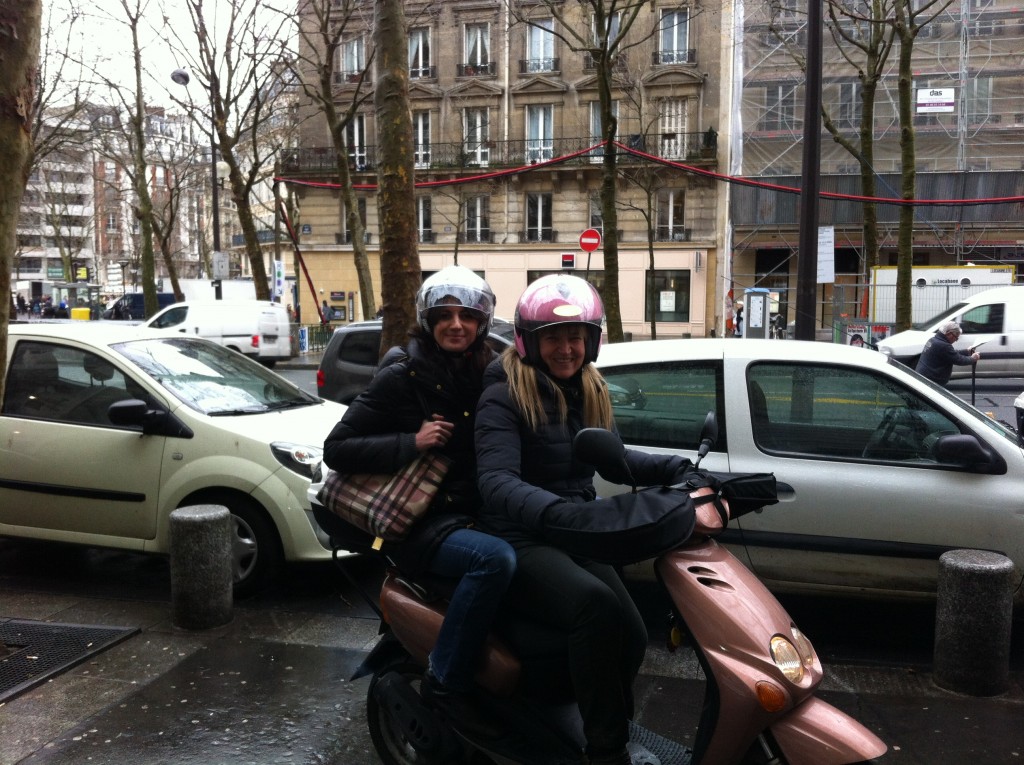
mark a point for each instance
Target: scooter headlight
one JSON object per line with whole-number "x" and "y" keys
{"x": 787, "y": 659}
{"x": 804, "y": 648}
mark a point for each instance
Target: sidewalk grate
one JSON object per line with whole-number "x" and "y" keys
{"x": 41, "y": 650}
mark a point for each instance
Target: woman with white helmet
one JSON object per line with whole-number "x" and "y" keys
{"x": 424, "y": 397}
{"x": 544, "y": 391}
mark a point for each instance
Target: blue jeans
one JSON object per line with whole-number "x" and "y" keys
{"x": 484, "y": 566}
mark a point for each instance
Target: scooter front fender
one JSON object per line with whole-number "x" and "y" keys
{"x": 816, "y": 733}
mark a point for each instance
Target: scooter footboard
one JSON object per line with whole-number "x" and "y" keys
{"x": 816, "y": 733}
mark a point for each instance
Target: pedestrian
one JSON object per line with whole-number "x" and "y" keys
{"x": 545, "y": 389}
{"x": 424, "y": 397}
{"x": 327, "y": 311}
{"x": 739, "y": 318}
{"x": 939, "y": 356}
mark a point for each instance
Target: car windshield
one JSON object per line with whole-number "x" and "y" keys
{"x": 946, "y": 313}
{"x": 212, "y": 379}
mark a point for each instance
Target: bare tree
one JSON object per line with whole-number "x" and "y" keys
{"x": 19, "y": 56}
{"x": 324, "y": 26}
{"x": 605, "y": 37}
{"x": 242, "y": 73}
{"x": 399, "y": 257}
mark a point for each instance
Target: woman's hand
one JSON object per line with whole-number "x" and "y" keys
{"x": 434, "y": 433}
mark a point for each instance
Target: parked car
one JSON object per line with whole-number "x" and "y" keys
{"x": 992, "y": 320}
{"x": 105, "y": 429}
{"x": 351, "y": 357}
{"x": 132, "y": 306}
{"x": 258, "y": 328}
{"x": 880, "y": 471}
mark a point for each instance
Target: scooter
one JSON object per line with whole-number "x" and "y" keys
{"x": 762, "y": 672}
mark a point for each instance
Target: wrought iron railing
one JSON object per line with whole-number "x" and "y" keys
{"x": 479, "y": 155}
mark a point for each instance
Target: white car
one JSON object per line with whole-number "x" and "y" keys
{"x": 105, "y": 429}
{"x": 880, "y": 471}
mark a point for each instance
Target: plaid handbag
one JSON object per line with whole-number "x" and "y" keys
{"x": 385, "y": 505}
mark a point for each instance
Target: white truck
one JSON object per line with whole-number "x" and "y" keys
{"x": 257, "y": 328}
{"x": 992, "y": 321}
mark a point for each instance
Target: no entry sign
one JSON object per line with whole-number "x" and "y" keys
{"x": 590, "y": 240}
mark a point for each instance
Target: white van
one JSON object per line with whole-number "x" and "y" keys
{"x": 257, "y": 328}
{"x": 992, "y": 321}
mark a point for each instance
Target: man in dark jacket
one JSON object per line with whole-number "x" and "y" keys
{"x": 939, "y": 355}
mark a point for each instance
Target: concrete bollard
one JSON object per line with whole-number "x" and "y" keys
{"x": 973, "y": 618}
{"x": 201, "y": 569}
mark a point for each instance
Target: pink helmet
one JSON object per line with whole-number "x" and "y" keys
{"x": 558, "y": 299}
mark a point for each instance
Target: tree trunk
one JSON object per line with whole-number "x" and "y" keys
{"x": 18, "y": 72}
{"x": 905, "y": 241}
{"x": 399, "y": 256}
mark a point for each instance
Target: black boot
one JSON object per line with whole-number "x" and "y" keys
{"x": 461, "y": 708}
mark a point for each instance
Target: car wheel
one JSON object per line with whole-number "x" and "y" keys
{"x": 256, "y": 555}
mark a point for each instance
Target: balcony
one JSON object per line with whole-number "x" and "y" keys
{"x": 426, "y": 236}
{"x": 347, "y": 78}
{"x": 538, "y": 235}
{"x": 665, "y": 57}
{"x": 488, "y": 69}
{"x": 478, "y": 236}
{"x": 423, "y": 73}
{"x": 467, "y": 157}
{"x": 345, "y": 237}
{"x": 539, "y": 65}
{"x": 672, "y": 234}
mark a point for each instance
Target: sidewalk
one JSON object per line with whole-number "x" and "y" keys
{"x": 272, "y": 686}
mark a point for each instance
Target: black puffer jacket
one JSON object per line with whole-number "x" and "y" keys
{"x": 523, "y": 473}
{"x": 377, "y": 434}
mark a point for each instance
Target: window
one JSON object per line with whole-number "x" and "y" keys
{"x": 664, "y": 404}
{"x": 539, "y": 132}
{"x": 780, "y": 108}
{"x": 55, "y": 382}
{"x": 672, "y": 124}
{"x": 540, "y": 46}
{"x": 477, "y": 139}
{"x": 353, "y": 59}
{"x": 346, "y": 237}
{"x": 419, "y": 53}
{"x": 421, "y": 138}
{"x": 596, "y": 134}
{"x": 478, "y": 219}
{"x": 423, "y": 227}
{"x": 841, "y": 413}
{"x": 984, "y": 318}
{"x": 596, "y": 215}
{"x": 111, "y": 221}
{"x": 538, "y": 218}
{"x": 671, "y": 209}
{"x": 671, "y": 293}
{"x": 355, "y": 135}
{"x": 609, "y": 29}
{"x": 478, "y": 46}
{"x": 978, "y": 92}
{"x": 850, "y": 105}
{"x": 673, "y": 36}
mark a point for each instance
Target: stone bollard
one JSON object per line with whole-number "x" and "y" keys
{"x": 201, "y": 568}
{"x": 973, "y": 618}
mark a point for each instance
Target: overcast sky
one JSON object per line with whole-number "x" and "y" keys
{"x": 102, "y": 39}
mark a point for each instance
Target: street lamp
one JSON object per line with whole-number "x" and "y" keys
{"x": 181, "y": 77}
{"x": 124, "y": 284}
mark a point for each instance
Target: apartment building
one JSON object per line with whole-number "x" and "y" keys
{"x": 492, "y": 94}
{"x": 968, "y": 123}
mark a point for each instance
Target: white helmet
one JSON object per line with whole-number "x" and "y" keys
{"x": 456, "y": 286}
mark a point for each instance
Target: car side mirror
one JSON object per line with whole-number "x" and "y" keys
{"x": 135, "y": 412}
{"x": 968, "y": 452}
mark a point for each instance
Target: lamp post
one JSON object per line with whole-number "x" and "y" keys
{"x": 124, "y": 284}
{"x": 181, "y": 77}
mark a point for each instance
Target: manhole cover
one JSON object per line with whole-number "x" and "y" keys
{"x": 38, "y": 651}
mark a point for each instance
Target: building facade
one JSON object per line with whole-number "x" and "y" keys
{"x": 503, "y": 114}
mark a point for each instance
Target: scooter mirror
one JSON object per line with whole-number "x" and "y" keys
{"x": 708, "y": 436}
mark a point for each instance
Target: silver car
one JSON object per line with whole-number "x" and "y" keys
{"x": 353, "y": 351}
{"x": 880, "y": 471}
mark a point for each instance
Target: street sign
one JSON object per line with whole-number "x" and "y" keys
{"x": 590, "y": 240}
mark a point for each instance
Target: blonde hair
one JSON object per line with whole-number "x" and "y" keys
{"x": 524, "y": 390}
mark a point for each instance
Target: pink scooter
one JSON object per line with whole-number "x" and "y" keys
{"x": 760, "y": 705}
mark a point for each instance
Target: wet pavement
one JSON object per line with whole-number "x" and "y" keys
{"x": 272, "y": 686}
